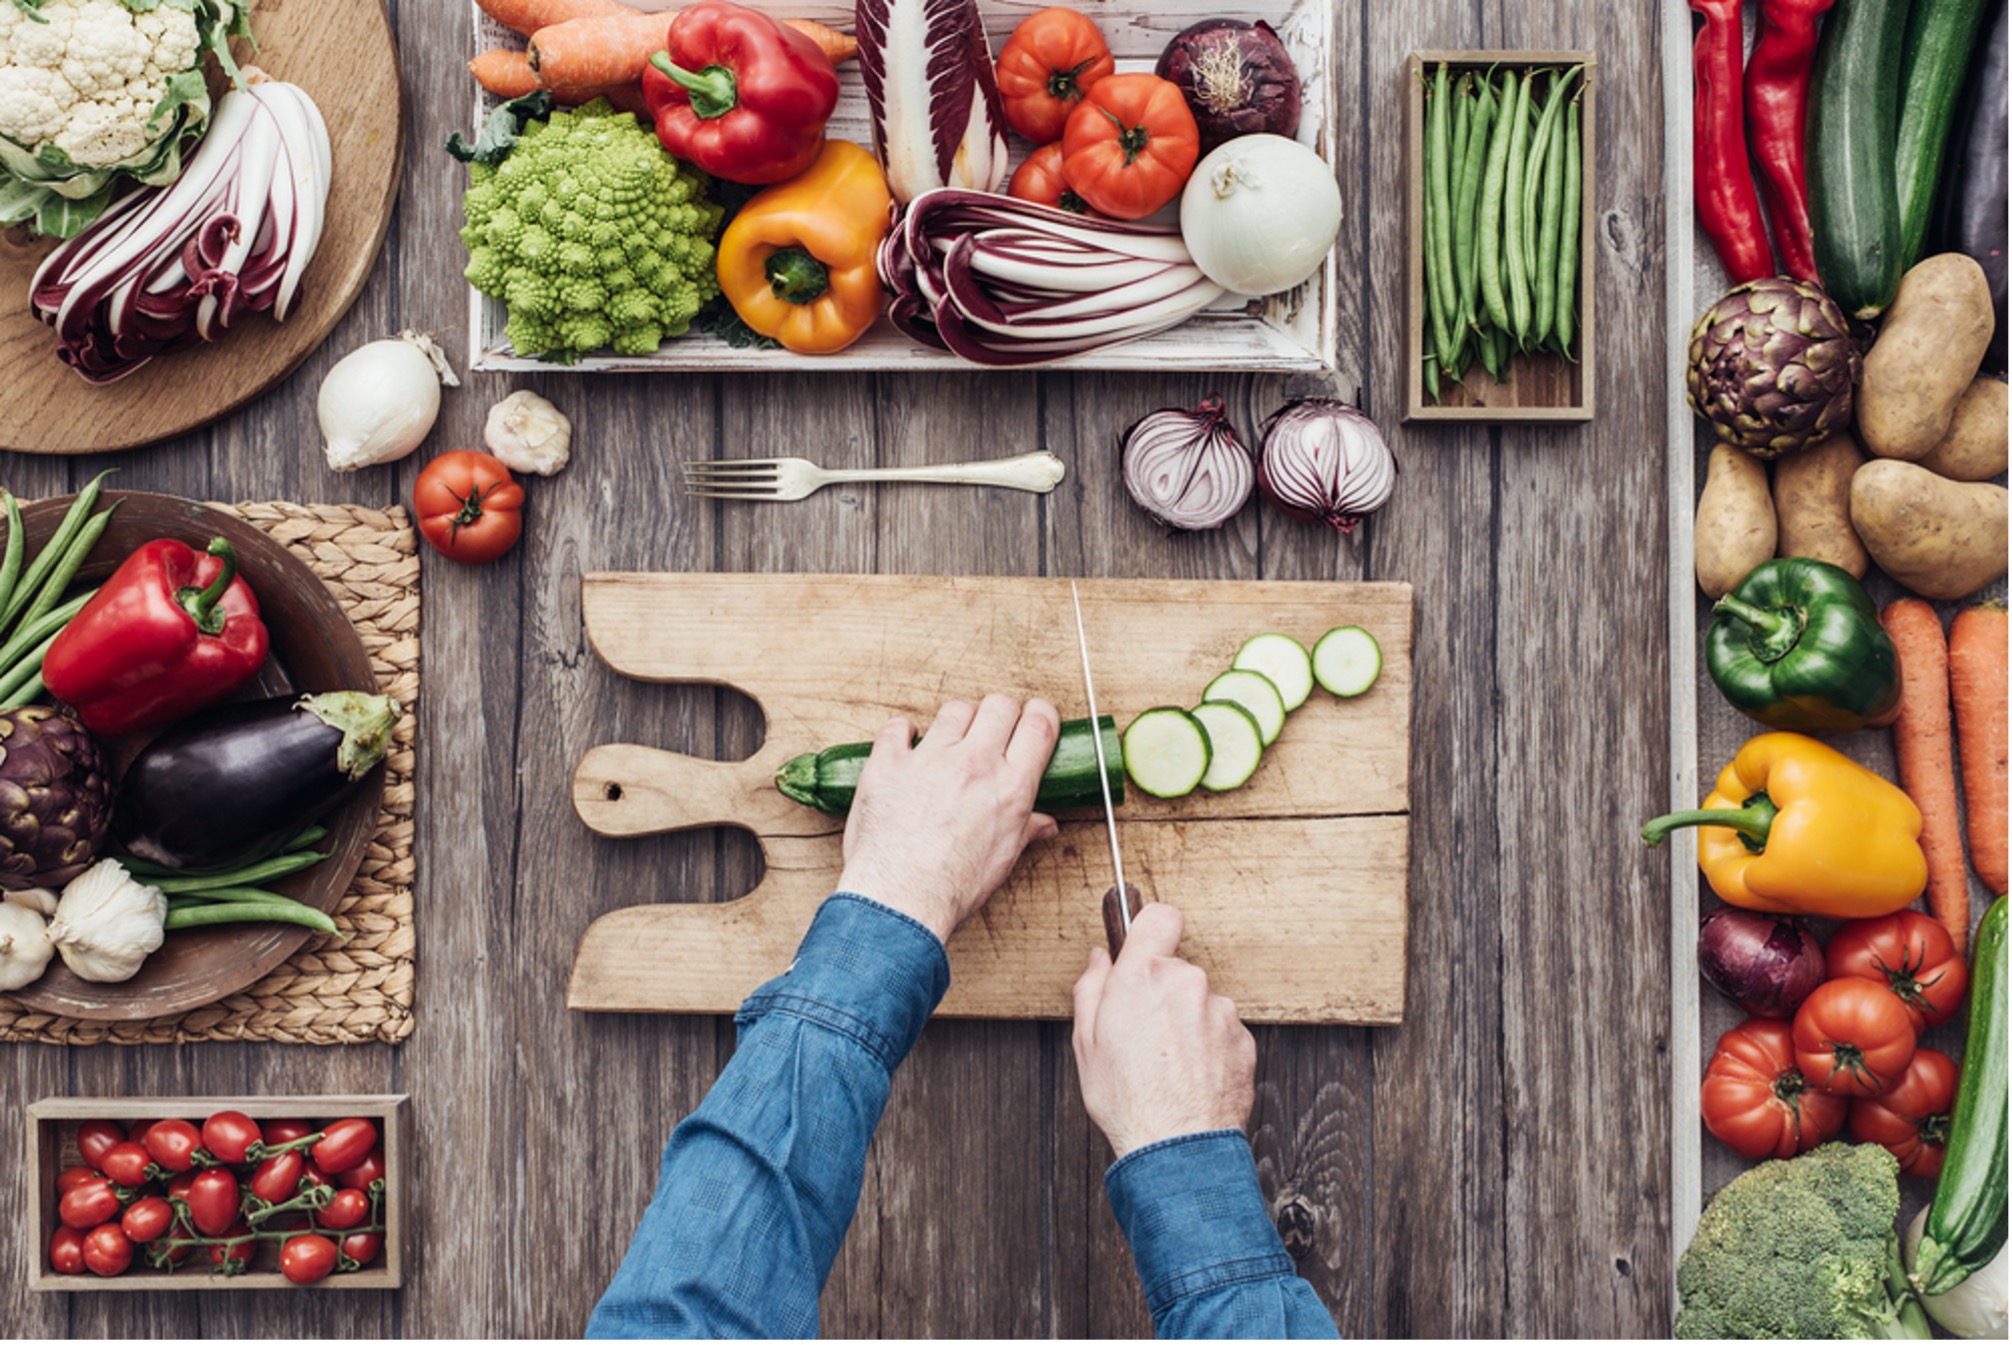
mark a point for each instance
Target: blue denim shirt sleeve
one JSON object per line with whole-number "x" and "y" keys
{"x": 758, "y": 1186}
{"x": 1209, "y": 1258}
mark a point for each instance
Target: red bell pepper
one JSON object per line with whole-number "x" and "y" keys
{"x": 738, "y": 95}
{"x": 1777, "y": 93}
{"x": 1728, "y": 205}
{"x": 172, "y": 630}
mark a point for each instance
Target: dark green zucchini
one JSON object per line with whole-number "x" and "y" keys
{"x": 825, "y": 780}
{"x": 1941, "y": 38}
{"x": 1854, "y": 197}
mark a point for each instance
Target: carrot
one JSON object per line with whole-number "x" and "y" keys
{"x": 528, "y": 16}
{"x": 508, "y": 74}
{"x": 594, "y": 53}
{"x": 1977, "y": 684}
{"x": 838, "y": 47}
{"x": 1927, "y": 763}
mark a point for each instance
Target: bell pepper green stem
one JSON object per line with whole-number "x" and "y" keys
{"x": 201, "y": 603}
{"x": 795, "y": 276}
{"x": 713, "y": 89}
{"x": 1771, "y": 632}
{"x": 1752, "y": 820}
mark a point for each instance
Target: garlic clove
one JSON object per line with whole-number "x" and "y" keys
{"x": 37, "y": 899}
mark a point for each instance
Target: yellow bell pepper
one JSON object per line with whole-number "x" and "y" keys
{"x": 798, "y": 262}
{"x": 1798, "y": 828}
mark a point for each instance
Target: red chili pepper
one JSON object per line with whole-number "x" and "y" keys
{"x": 738, "y": 95}
{"x": 172, "y": 630}
{"x": 1728, "y": 205}
{"x": 1777, "y": 94}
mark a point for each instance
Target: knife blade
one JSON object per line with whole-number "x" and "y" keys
{"x": 1118, "y": 909}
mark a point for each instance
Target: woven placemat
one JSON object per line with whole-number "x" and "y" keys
{"x": 332, "y": 992}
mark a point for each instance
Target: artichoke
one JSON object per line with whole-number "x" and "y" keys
{"x": 1772, "y": 365}
{"x": 55, "y": 798}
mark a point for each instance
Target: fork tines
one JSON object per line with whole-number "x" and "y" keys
{"x": 733, "y": 478}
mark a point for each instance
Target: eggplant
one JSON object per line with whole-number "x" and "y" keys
{"x": 1971, "y": 214}
{"x": 232, "y": 784}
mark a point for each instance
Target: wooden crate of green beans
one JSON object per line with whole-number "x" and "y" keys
{"x": 1499, "y": 210}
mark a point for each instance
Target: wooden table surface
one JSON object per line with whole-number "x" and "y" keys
{"x": 1497, "y": 1165}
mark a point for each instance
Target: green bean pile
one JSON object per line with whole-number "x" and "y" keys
{"x": 32, "y": 592}
{"x": 1503, "y": 175}
{"x": 232, "y": 896}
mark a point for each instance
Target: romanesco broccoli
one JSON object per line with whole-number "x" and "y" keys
{"x": 1801, "y": 1248}
{"x": 591, "y": 235}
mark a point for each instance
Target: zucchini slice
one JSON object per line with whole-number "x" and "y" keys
{"x": 1255, "y": 692}
{"x": 1347, "y": 660}
{"x": 1166, "y": 752}
{"x": 1236, "y": 744}
{"x": 1284, "y": 660}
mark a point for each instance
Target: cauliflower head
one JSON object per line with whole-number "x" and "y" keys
{"x": 592, "y": 235}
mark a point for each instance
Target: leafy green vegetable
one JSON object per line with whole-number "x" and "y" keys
{"x": 500, "y": 129}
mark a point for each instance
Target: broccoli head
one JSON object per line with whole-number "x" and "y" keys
{"x": 591, "y": 235}
{"x": 1800, "y": 1248}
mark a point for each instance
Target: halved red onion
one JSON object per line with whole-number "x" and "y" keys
{"x": 1326, "y": 462}
{"x": 1188, "y": 469}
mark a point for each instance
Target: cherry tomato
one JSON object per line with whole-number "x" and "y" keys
{"x": 277, "y": 1178}
{"x": 107, "y": 1250}
{"x": 1039, "y": 179}
{"x": 1911, "y": 1119}
{"x": 1044, "y": 68}
{"x": 348, "y": 1209}
{"x": 360, "y": 1177}
{"x": 71, "y": 1178}
{"x": 1130, "y": 144}
{"x": 470, "y": 507}
{"x": 229, "y": 1136}
{"x": 126, "y": 1163}
{"x": 1853, "y": 1037}
{"x": 344, "y": 1145}
{"x": 362, "y": 1248}
{"x": 313, "y": 1175}
{"x": 178, "y": 1189}
{"x": 238, "y": 1253}
{"x": 66, "y": 1251}
{"x": 175, "y": 1255}
{"x": 1910, "y": 954}
{"x": 307, "y": 1258}
{"x": 213, "y": 1201}
{"x": 174, "y": 1144}
{"x": 94, "y": 1137}
{"x": 1757, "y": 1103}
{"x": 286, "y": 1132}
{"x": 89, "y": 1204}
{"x": 147, "y": 1219}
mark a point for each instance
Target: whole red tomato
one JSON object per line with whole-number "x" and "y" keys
{"x": 1911, "y": 1119}
{"x": 469, "y": 506}
{"x": 147, "y": 1219}
{"x": 1757, "y": 1103}
{"x": 1853, "y": 1037}
{"x": 234, "y": 1256}
{"x": 213, "y": 1201}
{"x": 174, "y": 1144}
{"x": 1130, "y": 145}
{"x": 307, "y": 1258}
{"x": 1051, "y": 60}
{"x": 178, "y": 1189}
{"x": 362, "y": 1248}
{"x": 95, "y": 1137}
{"x": 344, "y": 1144}
{"x": 66, "y": 1250}
{"x": 88, "y": 1204}
{"x": 71, "y": 1178}
{"x": 286, "y": 1132}
{"x": 348, "y": 1209}
{"x": 1039, "y": 179}
{"x": 277, "y": 1179}
{"x": 107, "y": 1250}
{"x": 1909, "y": 953}
{"x": 126, "y": 1163}
{"x": 359, "y": 1178}
{"x": 229, "y": 1135}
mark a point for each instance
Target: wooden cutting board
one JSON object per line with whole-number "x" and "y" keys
{"x": 1294, "y": 885}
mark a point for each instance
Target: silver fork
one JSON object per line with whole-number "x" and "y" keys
{"x": 794, "y": 478}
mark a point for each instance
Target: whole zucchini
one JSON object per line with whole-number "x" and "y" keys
{"x": 1941, "y": 36}
{"x": 1966, "y": 1219}
{"x": 1854, "y": 198}
{"x": 826, "y": 780}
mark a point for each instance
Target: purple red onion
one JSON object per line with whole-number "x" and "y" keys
{"x": 1325, "y": 462}
{"x": 1188, "y": 469}
{"x": 1238, "y": 79}
{"x": 1766, "y": 964}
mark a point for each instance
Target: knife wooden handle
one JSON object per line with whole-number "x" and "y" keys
{"x": 1116, "y": 919}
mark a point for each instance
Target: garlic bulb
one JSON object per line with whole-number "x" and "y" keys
{"x": 529, "y": 434}
{"x": 37, "y": 899}
{"x": 380, "y": 400}
{"x": 107, "y": 922}
{"x": 24, "y": 946}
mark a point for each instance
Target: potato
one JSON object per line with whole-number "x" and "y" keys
{"x": 1812, "y": 503}
{"x": 1929, "y": 347}
{"x": 1975, "y": 447}
{"x": 1736, "y": 528}
{"x": 1942, "y": 539}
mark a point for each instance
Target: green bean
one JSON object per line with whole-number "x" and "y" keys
{"x": 52, "y": 554}
{"x": 1488, "y": 226}
{"x": 1438, "y": 184}
{"x": 280, "y": 912}
{"x": 30, "y": 691}
{"x": 32, "y": 633}
{"x": 1432, "y": 378}
{"x": 73, "y": 561}
{"x": 232, "y": 894}
{"x": 312, "y": 836}
{"x": 278, "y": 867}
{"x": 1517, "y": 274}
{"x": 1568, "y": 234}
{"x": 17, "y": 545}
{"x": 1505, "y": 346}
{"x": 17, "y": 679}
{"x": 1465, "y": 299}
{"x": 1545, "y": 178}
{"x": 1437, "y": 335}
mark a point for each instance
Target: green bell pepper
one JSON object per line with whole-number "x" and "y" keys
{"x": 1798, "y": 646}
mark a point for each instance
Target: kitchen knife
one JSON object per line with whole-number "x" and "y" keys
{"x": 1118, "y": 910}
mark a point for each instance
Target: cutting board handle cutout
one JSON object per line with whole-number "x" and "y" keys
{"x": 624, "y": 789}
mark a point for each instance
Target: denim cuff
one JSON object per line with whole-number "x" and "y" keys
{"x": 1192, "y": 1210}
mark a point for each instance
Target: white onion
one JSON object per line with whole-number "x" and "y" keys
{"x": 1260, "y": 214}
{"x": 1188, "y": 469}
{"x": 1326, "y": 462}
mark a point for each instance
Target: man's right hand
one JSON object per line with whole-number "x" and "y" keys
{"x": 1158, "y": 1053}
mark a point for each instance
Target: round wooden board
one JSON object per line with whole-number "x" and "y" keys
{"x": 342, "y": 53}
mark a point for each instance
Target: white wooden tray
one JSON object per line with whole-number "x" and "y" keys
{"x": 1284, "y": 333}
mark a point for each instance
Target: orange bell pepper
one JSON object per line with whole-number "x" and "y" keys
{"x": 798, "y": 262}
{"x": 1798, "y": 828}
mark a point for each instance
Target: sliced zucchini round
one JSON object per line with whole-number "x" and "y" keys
{"x": 1255, "y": 692}
{"x": 1166, "y": 752}
{"x": 1284, "y": 660}
{"x": 1347, "y": 660}
{"x": 1236, "y": 744}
